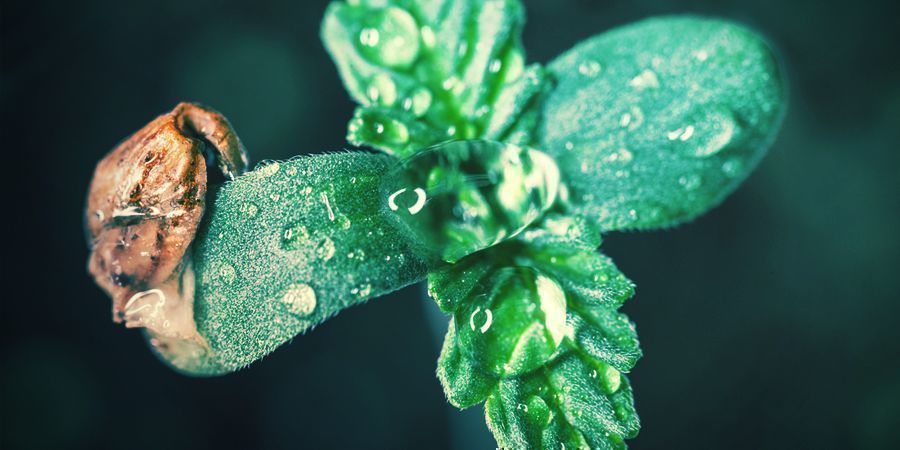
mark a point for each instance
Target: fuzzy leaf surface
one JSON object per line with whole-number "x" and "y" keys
{"x": 656, "y": 122}
{"x": 288, "y": 246}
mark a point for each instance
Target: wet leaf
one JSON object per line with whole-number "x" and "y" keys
{"x": 656, "y": 122}
{"x": 288, "y": 246}
{"x": 430, "y": 71}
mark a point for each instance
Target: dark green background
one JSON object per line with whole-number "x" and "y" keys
{"x": 771, "y": 322}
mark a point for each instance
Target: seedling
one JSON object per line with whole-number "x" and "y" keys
{"x": 496, "y": 183}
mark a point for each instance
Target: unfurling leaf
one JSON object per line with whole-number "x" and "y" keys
{"x": 429, "y": 71}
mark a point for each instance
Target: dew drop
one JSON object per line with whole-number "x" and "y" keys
{"x": 357, "y": 255}
{"x": 227, "y": 273}
{"x": 267, "y": 168}
{"x": 325, "y": 248}
{"x": 645, "y": 80}
{"x": 418, "y": 102}
{"x": 300, "y": 299}
{"x": 732, "y": 167}
{"x": 690, "y": 182}
{"x": 485, "y": 324}
{"x": 622, "y": 156}
{"x": 294, "y": 237}
{"x": 612, "y": 379}
{"x": 428, "y": 38}
{"x": 589, "y": 69}
{"x": 369, "y": 37}
{"x": 249, "y": 209}
{"x": 391, "y": 38}
{"x": 382, "y": 90}
{"x": 495, "y": 66}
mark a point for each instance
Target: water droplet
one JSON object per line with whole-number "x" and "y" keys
{"x": 622, "y": 156}
{"x": 589, "y": 69}
{"x": 249, "y": 209}
{"x": 365, "y": 290}
{"x": 632, "y": 119}
{"x": 369, "y": 37}
{"x": 342, "y": 221}
{"x": 612, "y": 379}
{"x": 376, "y": 127}
{"x": 357, "y": 255}
{"x": 682, "y": 134}
{"x": 324, "y": 197}
{"x": 495, "y": 66}
{"x": 484, "y": 320}
{"x": 418, "y": 102}
{"x": 645, "y": 80}
{"x": 690, "y": 182}
{"x": 267, "y": 168}
{"x": 227, "y": 273}
{"x": 701, "y": 55}
{"x": 325, "y": 248}
{"x": 382, "y": 90}
{"x": 294, "y": 237}
{"x": 732, "y": 167}
{"x": 481, "y": 192}
{"x": 391, "y": 38}
{"x": 538, "y": 413}
{"x": 300, "y": 299}
{"x": 717, "y": 129}
{"x": 522, "y": 407}
{"x": 428, "y": 38}
{"x": 569, "y": 145}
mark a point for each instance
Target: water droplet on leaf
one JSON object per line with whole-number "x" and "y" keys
{"x": 300, "y": 299}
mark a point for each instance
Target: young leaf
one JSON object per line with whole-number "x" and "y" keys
{"x": 429, "y": 71}
{"x": 288, "y": 246}
{"x": 572, "y": 403}
{"x": 570, "y": 393}
{"x": 465, "y": 382}
{"x": 656, "y": 122}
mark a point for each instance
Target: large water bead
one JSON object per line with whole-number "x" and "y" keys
{"x": 459, "y": 197}
{"x": 514, "y": 322}
{"x": 390, "y": 37}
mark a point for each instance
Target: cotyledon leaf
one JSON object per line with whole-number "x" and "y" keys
{"x": 656, "y": 122}
{"x": 289, "y": 245}
{"x": 429, "y": 71}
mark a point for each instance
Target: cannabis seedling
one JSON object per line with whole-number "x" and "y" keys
{"x": 496, "y": 183}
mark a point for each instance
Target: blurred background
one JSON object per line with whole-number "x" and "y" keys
{"x": 770, "y": 322}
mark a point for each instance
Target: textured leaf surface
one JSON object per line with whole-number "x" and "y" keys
{"x": 291, "y": 244}
{"x": 574, "y": 395}
{"x": 430, "y": 71}
{"x": 656, "y": 122}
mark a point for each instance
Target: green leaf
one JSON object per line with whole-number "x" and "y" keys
{"x": 656, "y": 122}
{"x": 288, "y": 246}
{"x": 574, "y": 402}
{"x": 539, "y": 395}
{"x": 429, "y": 71}
{"x": 465, "y": 382}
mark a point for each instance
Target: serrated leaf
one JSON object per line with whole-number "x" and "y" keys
{"x": 572, "y": 394}
{"x": 459, "y": 75}
{"x": 465, "y": 383}
{"x": 572, "y": 403}
{"x": 656, "y": 122}
{"x": 513, "y": 322}
{"x": 564, "y": 247}
{"x": 288, "y": 246}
